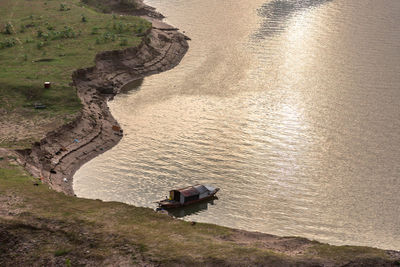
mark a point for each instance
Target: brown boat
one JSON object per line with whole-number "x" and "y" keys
{"x": 188, "y": 195}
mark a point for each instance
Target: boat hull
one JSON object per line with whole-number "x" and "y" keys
{"x": 167, "y": 204}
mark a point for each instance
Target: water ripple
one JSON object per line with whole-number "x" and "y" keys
{"x": 289, "y": 106}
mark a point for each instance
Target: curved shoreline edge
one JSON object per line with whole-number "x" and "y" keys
{"x": 57, "y": 157}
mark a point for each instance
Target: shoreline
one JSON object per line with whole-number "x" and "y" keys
{"x": 63, "y": 151}
{"x": 57, "y": 157}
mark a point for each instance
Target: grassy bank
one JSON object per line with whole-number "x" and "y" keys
{"x": 46, "y": 40}
{"x": 41, "y": 227}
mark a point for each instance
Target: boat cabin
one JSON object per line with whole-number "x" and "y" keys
{"x": 190, "y": 193}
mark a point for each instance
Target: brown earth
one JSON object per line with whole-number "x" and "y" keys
{"x": 20, "y": 127}
{"x": 57, "y": 156}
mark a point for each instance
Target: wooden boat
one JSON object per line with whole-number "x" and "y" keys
{"x": 188, "y": 195}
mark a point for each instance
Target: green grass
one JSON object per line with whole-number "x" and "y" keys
{"x": 64, "y": 226}
{"x": 46, "y": 40}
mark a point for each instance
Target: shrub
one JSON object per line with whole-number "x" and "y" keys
{"x": 8, "y": 43}
{"x": 39, "y": 45}
{"x": 45, "y": 36}
{"x": 120, "y": 27}
{"x": 66, "y": 33}
{"x": 106, "y": 37}
{"x": 39, "y": 33}
{"x": 63, "y": 7}
{"x": 8, "y": 28}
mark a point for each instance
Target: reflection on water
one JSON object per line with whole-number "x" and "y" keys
{"x": 193, "y": 209}
{"x": 300, "y": 129}
{"x": 132, "y": 86}
{"x": 278, "y": 12}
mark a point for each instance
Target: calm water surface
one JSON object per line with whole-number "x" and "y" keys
{"x": 291, "y": 107}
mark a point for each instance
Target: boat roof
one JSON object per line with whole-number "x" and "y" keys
{"x": 189, "y": 192}
{"x": 192, "y": 190}
{"x": 201, "y": 188}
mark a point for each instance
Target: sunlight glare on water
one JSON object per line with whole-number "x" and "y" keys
{"x": 291, "y": 107}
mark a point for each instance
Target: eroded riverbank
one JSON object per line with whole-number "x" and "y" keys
{"x": 91, "y": 229}
{"x": 56, "y": 157}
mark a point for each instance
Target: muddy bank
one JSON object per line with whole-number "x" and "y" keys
{"x": 61, "y": 153}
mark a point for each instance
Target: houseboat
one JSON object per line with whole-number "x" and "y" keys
{"x": 188, "y": 195}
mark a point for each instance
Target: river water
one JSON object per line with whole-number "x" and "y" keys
{"x": 291, "y": 107}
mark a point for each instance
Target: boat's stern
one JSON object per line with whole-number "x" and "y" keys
{"x": 167, "y": 203}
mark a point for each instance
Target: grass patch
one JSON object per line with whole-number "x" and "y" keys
{"x": 44, "y": 40}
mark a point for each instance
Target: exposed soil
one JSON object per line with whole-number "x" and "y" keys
{"x": 35, "y": 243}
{"x": 23, "y": 126}
{"x": 56, "y": 157}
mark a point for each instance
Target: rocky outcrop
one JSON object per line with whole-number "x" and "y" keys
{"x": 56, "y": 158}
